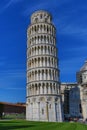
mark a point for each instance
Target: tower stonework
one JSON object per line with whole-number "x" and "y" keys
{"x": 43, "y": 86}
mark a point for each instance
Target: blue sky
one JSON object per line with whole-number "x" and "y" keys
{"x": 70, "y": 19}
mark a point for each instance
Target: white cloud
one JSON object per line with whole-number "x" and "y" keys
{"x": 74, "y": 30}
{"x": 13, "y": 88}
{"x": 2, "y": 61}
{"x": 78, "y": 49}
{"x": 7, "y": 4}
{"x": 12, "y": 79}
{"x": 43, "y": 5}
{"x": 13, "y": 74}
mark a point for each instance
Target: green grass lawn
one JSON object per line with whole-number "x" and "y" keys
{"x": 27, "y": 125}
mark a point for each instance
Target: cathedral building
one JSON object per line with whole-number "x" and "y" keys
{"x": 43, "y": 85}
{"x": 82, "y": 83}
{"x": 74, "y": 95}
{"x": 71, "y": 100}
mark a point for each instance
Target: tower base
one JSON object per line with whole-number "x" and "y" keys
{"x": 44, "y": 109}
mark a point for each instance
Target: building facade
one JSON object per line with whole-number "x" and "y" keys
{"x": 12, "y": 109}
{"x": 71, "y": 100}
{"x": 43, "y": 86}
{"x": 82, "y": 83}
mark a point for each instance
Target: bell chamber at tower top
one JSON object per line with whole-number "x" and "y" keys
{"x": 41, "y": 16}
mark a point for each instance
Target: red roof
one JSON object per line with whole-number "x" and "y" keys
{"x": 14, "y": 104}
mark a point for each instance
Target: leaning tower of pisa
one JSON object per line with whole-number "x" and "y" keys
{"x": 43, "y": 87}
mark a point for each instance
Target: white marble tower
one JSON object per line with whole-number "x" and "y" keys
{"x": 43, "y": 87}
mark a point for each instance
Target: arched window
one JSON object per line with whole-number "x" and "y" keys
{"x": 35, "y": 29}
{"x": 44, "y": 28}
{"x": 47, "y": 29}
{"x": 47, "y": 88}
{"x": 50, "y": 106}
{"x": 40, "y": 16}
{"x": 42, "y": 111}
{"x": 36, "y": 20}
{"x": 43, "y": 90}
